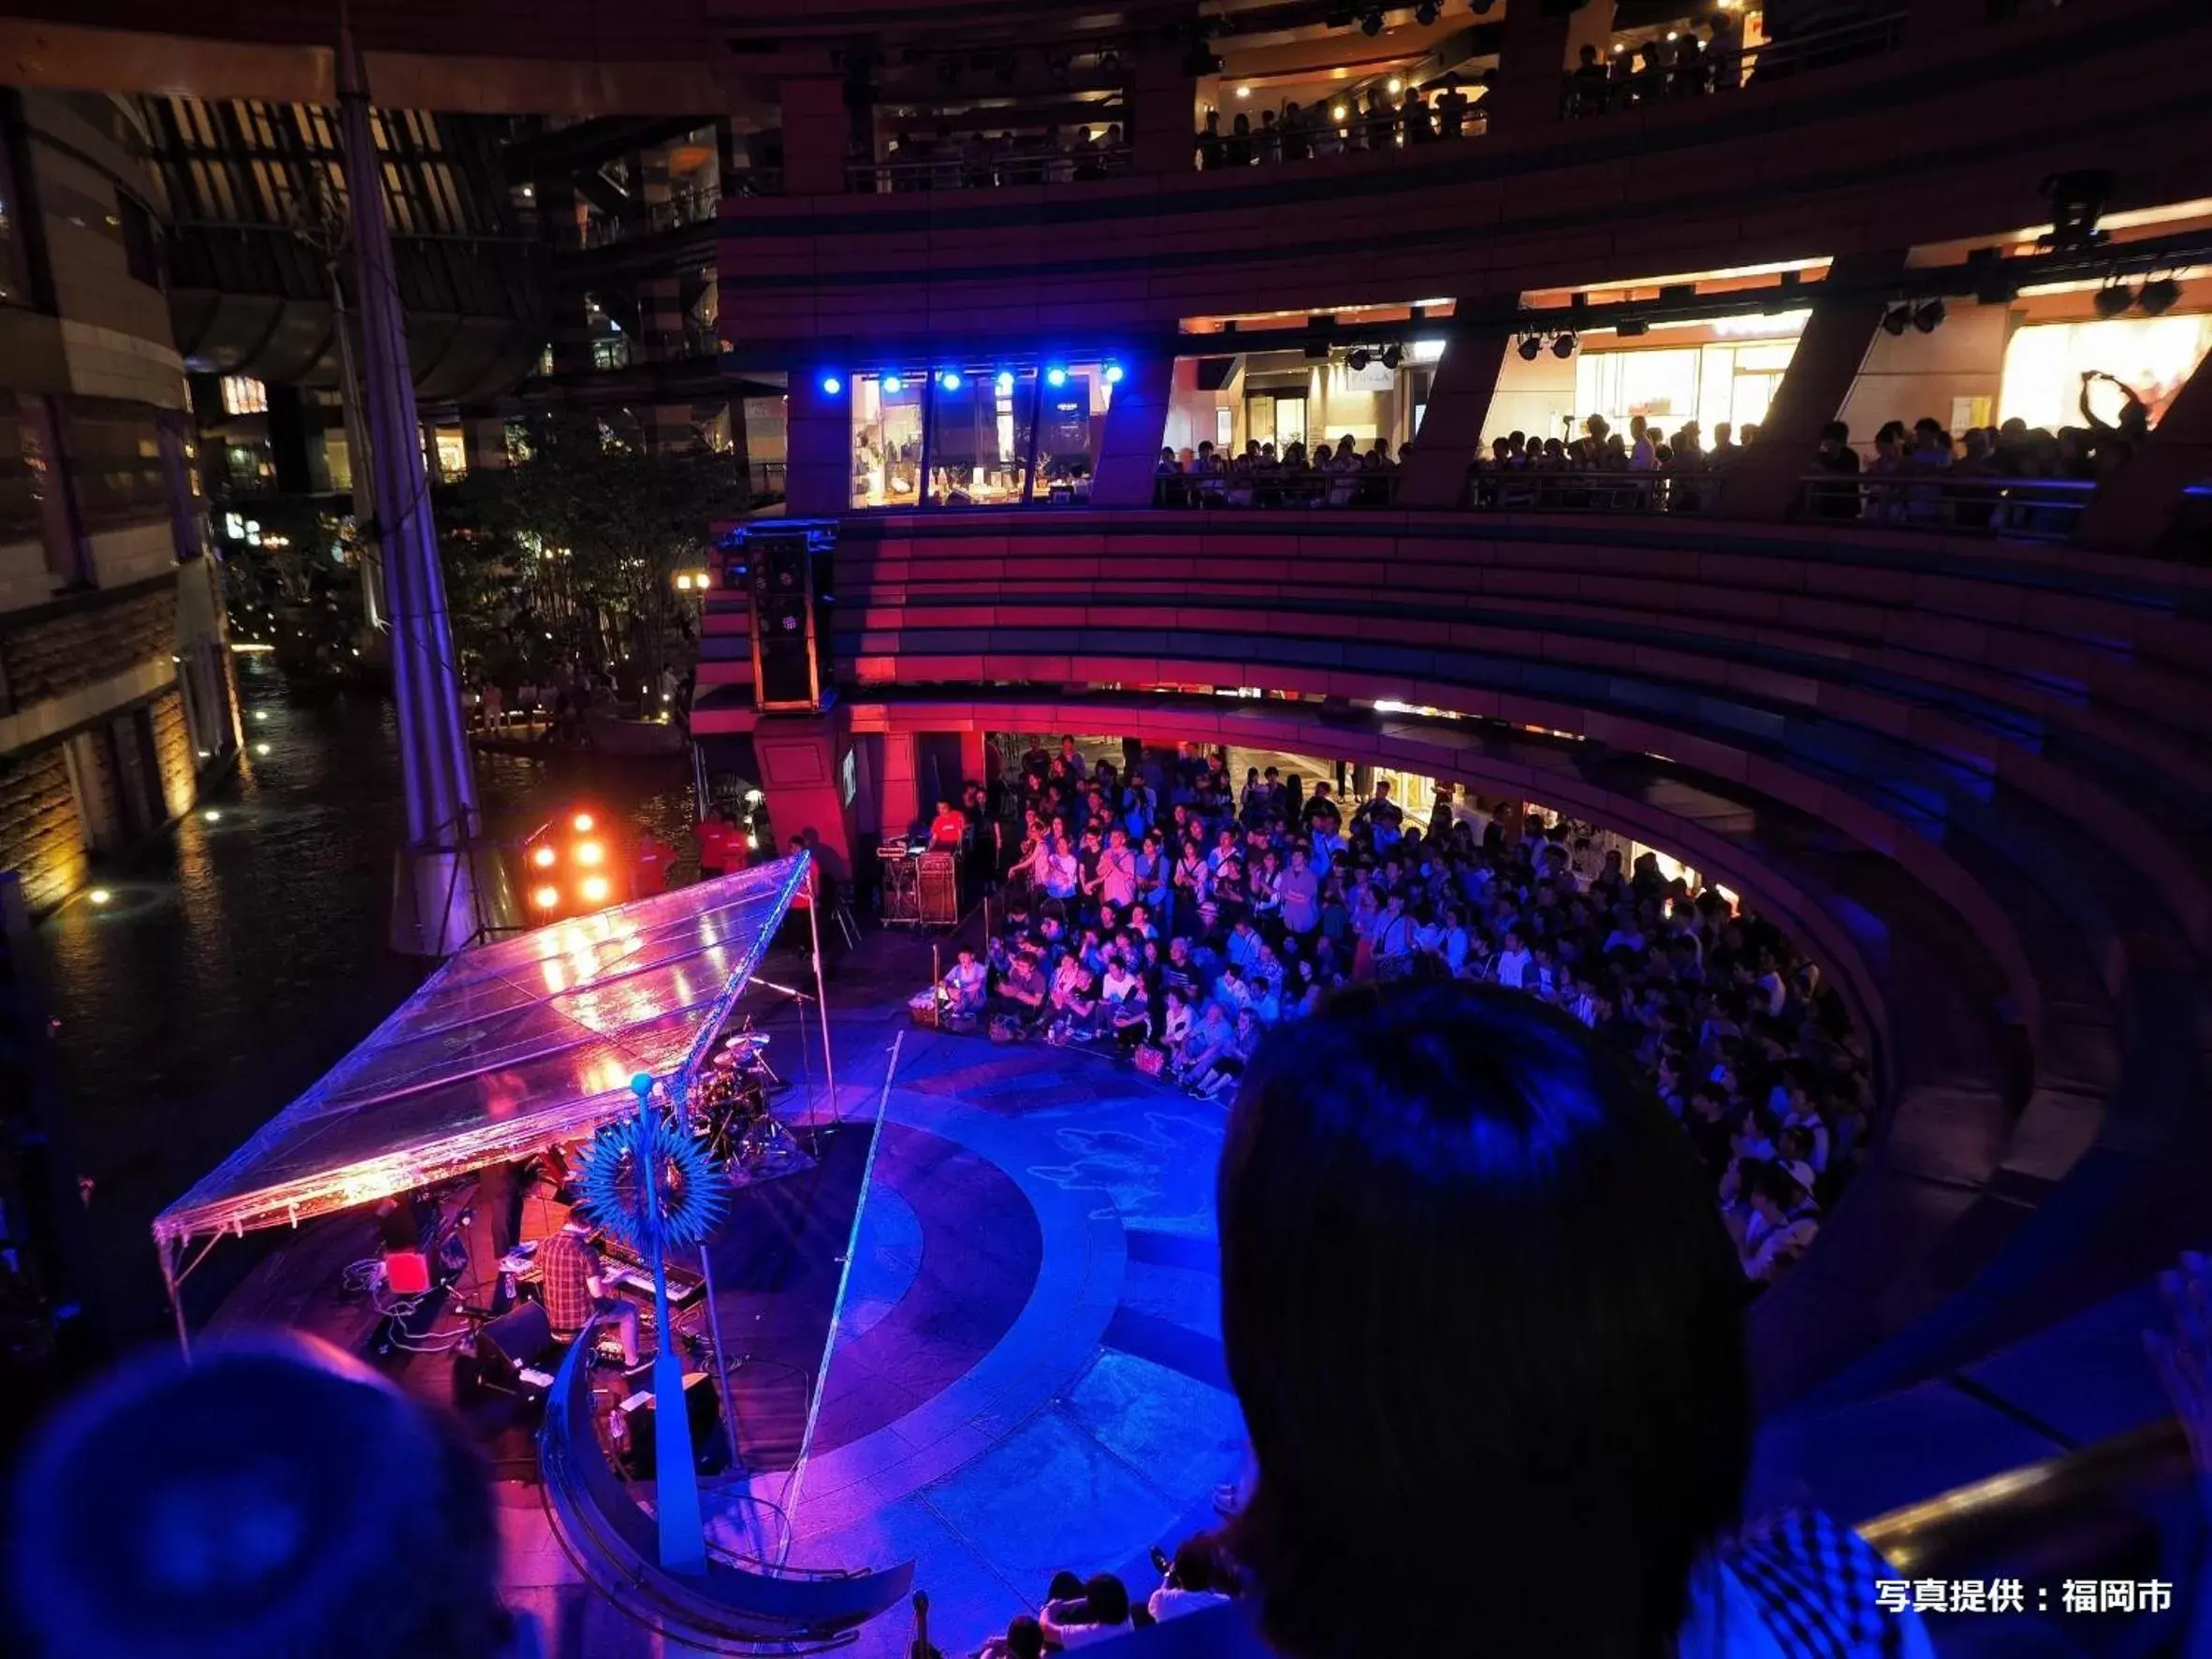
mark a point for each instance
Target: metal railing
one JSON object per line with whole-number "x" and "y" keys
{"x": 1537, "y": 490}
{"x": 2036, "y": 509}
{"x": 1634, "y": 78}
{"x": 685, "y": 206}
{"x": 958, "y": 170}
{"x": 1317, "y": 135}
{"x": 1277, "y": 487}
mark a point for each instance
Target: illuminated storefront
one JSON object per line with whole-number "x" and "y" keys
{"x": 976, "y": 435}
{"x": 2044, "y": 362}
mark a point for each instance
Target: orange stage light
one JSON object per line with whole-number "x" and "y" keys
{"x": 545, "y": 897}
{"x": 544, "y": 858}
{"x": 589, "y": 853}
{"x": 594, "y": 890}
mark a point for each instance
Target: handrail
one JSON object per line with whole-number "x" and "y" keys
{"x": 1725, "y": 68}
{"x": 1539, "y": 489}
{"x": 2033, "y": 509}
{"x": 1963, "y": 1527}
{"x": 993, "y": 169}
{"x": 1278, "y": 487}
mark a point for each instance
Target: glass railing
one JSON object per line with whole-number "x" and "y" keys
{"x": 1277, "y": 487}
{"x": 1536, "y": 490}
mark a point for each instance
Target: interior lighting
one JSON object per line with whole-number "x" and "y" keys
{"x": 831, "y": 386}
{"x": 1563, "y": 347}
{"x": 590, "y": 853}
{"x": 2158, "y": 296}
{"x": 1338, "y": 112}
{"x": 212, "y": 816}
{"x": 545, "y": 897}
{"x": 893, "y": 385}
{"x": 2114, "y": 299}
{"x": 581, "y": 824}
{"x": 99, "y": 896}
{"x": 1393, "y": 86}
{"x": 1894, "y": 319}
{"x": 261, "y": 713}
{"x": 260, "y": 749}
{"x": 1113, "y": 374}
{"x": 1005, "y": 382}
{"x": 1056, "y": 377}
{"x": 948, "y": 379}
{"x": 1243, "y": 92}
{"x": 594, "y": 890}
{"x": 544, "y": 858}
{"x": 1531, "y": 347}
{"x": 1929, "y": 317}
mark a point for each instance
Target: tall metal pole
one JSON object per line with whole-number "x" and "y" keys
{"x": 676, "y": 1475}
{"x": 444, "y": 892}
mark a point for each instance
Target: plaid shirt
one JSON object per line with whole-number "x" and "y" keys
{"x": 566, "y": 1265}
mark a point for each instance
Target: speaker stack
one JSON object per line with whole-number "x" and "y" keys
{"x": 784, "y": 569}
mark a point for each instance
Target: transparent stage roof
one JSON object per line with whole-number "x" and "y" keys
{"x": 506, "y": 1048}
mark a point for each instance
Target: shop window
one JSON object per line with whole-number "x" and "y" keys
{"x": 887, "y": 439}
{"x": 244, "y": 395}
{"x": 2044, "y": 362}
{"x": 980, "y": 424}
{"x": 1072, "y": 416}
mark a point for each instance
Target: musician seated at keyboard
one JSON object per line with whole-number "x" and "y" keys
{"x": 574, "y": 1283}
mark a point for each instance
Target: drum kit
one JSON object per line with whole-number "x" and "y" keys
{"x": 730, "y": 1110}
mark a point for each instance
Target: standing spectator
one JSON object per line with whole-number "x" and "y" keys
{"x": 1836, "y": 456}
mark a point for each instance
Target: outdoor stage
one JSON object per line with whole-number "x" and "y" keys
{"x": 1027, "y": 1374}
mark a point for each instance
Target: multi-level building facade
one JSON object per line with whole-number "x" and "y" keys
{"x": 115, "y": 697}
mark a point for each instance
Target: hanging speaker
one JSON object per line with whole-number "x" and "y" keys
{"x": 787, "y": 570}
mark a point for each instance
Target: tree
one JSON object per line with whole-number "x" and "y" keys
{"x": 597, "y": 530}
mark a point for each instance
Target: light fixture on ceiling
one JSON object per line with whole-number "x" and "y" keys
{"x": 1371, "y": 24}
{"x": 1532, "y": 347}
{"x": 1356, "y": 359}
{"x": 2157, "y": 296}
{"x": 1929, "y": 317}
{"x": 1393, "y": 356}
{"x": 1563, "y": 346}
{"x": 2114, "y": 299}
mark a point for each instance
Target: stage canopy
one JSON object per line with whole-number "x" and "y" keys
{"x": 508, "y": 1047}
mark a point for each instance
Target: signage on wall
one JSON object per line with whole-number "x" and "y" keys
{"x": 1375, "y": 377}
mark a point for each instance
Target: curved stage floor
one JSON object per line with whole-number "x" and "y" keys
{"x": 1027, "y": 1374}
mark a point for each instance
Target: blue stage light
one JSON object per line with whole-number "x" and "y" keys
{"x": 1056, "y": 377}
{"x": 1113, "y": 374}
{"x": 831, "y": 386}
{"x": 892, "y": 383}
{"x": 1006, "y": 381}
{"x": 948, "y": 379}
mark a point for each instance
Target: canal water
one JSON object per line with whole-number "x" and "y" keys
{"x": 233, "y": 967}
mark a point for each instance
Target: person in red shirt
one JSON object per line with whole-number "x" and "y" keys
{"x": 948, "y": 826}
{"x": 650, "y": 859}
{"x": 714, "y": 836}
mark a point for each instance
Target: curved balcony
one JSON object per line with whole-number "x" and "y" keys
{"x": 1970, "y": 776}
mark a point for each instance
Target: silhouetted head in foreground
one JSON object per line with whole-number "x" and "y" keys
{"x": 1486, "y": 1327}
{"x": 273, "y": 1499}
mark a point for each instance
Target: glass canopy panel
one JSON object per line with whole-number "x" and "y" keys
{"x": 508, "y": 1047}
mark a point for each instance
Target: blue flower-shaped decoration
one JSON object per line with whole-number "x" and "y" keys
{"x": 692, "y": 1190}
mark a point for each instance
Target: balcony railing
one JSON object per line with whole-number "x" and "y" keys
{"x": 2035, "y": 509}
{"x": 685, "y": 206}
{"x": 1540, "y": 491}
{"x": 1664, "y": 71}
{"x": 986, "y": 169}
{"x": 1277, "y": 487}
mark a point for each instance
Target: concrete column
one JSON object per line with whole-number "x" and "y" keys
{"x": 1764, "y": 482}
{"x": 1434, "y": 474}
{"x": 445, "y": 891}
{"x": 899, "y": 788}
{"x": 802, "y": 760}
{"x": 2131, "y": 511}
{"x": 814, "y": 134}
{"x": 484, "y": 440}
{"x": 1532, "y": 59}
{"x": 1128, "y": 450}
{"x": 817, "y": 455}
{"x": 1163, "y": 100}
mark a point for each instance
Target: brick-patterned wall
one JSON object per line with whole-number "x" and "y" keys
{"x": 52, "y": 656}
{"x": 173, "y": 748}
{"x": 40, "y": 838}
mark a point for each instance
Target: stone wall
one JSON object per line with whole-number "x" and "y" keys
{"x": 174, "y": 749}
{"x": 41, "y": 838}
{"x": 55, "y": 654}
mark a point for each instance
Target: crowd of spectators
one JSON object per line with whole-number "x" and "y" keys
{"x": 1079, "y": 1613}
{"x": 1381, "y": 120}
{"x": 1171, "y": 916}
{"x": 1260, "y": 475}
{"x": 946, "y": 160}
{"x": 1678, "y": 65}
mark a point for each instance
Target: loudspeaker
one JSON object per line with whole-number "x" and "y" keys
{"x": 633, "y": 1416}
{"x": 505, "y": 1346}
{"x": 785, "y": 567}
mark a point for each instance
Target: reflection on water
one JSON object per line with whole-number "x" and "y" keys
{"x": 235, "y": 964}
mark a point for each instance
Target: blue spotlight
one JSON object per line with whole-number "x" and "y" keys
{"x": 1006, "y": 381}
{"x": 1113, "y": 374}
{"x": 948, "y": 379}
{"x": 892, "y": 383}
{"x": 831, "y": 386}
{"x": 1056, "y": 377}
